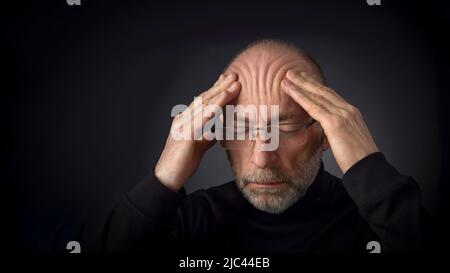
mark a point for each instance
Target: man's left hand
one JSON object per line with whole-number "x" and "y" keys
{"x": 343, "y": 124}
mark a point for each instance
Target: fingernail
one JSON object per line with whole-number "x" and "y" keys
{"x": 303, "y": 74}
{"x": 229, "y": 75}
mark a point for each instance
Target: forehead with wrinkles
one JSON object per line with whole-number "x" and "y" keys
{"x": 261, "y": 69}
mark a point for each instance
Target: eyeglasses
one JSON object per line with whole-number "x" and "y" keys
{"x": 291, "y": 135}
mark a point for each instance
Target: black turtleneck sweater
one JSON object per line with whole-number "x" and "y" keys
{"x": 373, "y": 202}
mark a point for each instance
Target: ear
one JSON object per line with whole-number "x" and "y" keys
{"x": 325, "y": 143}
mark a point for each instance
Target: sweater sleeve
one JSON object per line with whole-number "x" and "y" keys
{"x": 147, "y": 215}
{"x": 390, "y": 203}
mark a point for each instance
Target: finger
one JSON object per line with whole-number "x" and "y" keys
{"x": 310, "y": 78}
{"x": 223, "y": 84}
{"x": 220, "y": 99}
{"x": 212, "y": 110}
{"x": 197, "y": 106}
{"x": 221, "y": 77}
{"x": 309, "y": 84}
{"x": 315, "y": 98}
{"x": 317, "y": 109}
{"x": 227, "y": 95}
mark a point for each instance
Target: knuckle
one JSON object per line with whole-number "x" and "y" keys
{"x": 345, "y": 114}
{"x": 204, "y": 98}
{"x": 315, "y": 108}
{"x": 177, "y": 118}
{"x": 203, "y": 95}
{"x": 353, "y": 110}
{"x": 336, "y": 121}
{"x": 177, "y": 124}
{"x": 226, "y": 93}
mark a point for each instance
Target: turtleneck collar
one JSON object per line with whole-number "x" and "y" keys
{"x": 305, "y": 207}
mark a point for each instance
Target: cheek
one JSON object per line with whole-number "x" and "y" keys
{"x": 239, "y": 159}
{"x": 314, "y": 136}
{"x": 288, "y": 157}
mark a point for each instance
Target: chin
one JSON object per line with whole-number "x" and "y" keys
{"x": 274, "y": 201}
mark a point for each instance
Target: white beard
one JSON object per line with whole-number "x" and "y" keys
{"x": 276, "y": 201}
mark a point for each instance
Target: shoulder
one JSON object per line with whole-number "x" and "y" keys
{"x": 214, "y": 196}
{"x": 336, "y": 193}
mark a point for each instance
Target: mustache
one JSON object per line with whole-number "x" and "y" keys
{"x": 265, "y": 176}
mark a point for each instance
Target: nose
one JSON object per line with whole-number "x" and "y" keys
{"x": 263, "y": 159}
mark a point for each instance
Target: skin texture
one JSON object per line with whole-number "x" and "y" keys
{"x": 274, "y": 180}
{"x": 274, "y": 73}
{"x": 343, "y": 124}
{"x": 181, "y": 158}
{"x": 260, "y": 71}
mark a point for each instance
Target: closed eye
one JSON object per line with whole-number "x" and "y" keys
{"x": 290, "y": 128}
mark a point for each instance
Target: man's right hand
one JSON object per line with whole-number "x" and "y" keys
{"x": 181, "y": 158}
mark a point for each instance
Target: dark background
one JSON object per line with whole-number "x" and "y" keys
{"x": 89, "y": 91}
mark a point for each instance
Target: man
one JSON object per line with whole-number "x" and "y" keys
{"x": 282, "y": 200}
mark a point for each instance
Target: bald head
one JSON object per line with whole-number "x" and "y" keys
{"x": 262, "y": 66}
{"x": 272, "y": 49}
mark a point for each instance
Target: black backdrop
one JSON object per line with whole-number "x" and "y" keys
{"x": 89, "y": 91}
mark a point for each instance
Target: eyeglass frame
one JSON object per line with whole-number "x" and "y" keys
{"x": 305, "y": 126}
